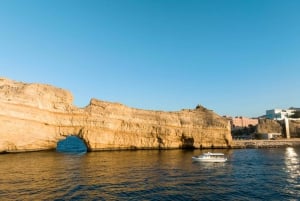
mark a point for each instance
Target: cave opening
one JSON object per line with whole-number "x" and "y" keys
{"x": 71, "y": 144}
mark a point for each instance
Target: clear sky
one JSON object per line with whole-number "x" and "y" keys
{"x": 236, "y": 57}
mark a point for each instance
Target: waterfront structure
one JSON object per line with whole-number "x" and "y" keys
{"x": 269, "y": 136}
{"x": 287, "y": 128}
{"x": 279, "y": 114}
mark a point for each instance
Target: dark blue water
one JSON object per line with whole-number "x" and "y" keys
{"x": 71, "y": 144}
{"x": 250, "y": 174}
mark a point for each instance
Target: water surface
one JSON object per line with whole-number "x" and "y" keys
{"x": 249, "y": 174}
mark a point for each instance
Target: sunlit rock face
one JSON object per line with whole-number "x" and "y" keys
{"x": 268, "y": 126}
{"x": 294, "y": 126}
{"x": 278, "y": 126}
{"x": 37, "y": 116}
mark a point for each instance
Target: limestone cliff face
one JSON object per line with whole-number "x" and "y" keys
{"x": 294, "y": 126}
{"x": 268, "y": 126}
{"x": 36, "y": 116}
{"x": 278, "y": 126}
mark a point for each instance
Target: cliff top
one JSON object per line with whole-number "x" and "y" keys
{"x": 45, "y": 96}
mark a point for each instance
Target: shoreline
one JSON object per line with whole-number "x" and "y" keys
{"x": 244, "y": 144}
{"x": 236, "y": 144}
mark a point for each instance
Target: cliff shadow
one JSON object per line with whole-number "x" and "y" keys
{"x": 187, "y": 142}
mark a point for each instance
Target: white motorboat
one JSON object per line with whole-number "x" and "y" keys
{"x": 211, "y": 157}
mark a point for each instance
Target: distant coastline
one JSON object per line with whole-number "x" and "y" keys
{"x": 241, "y": 144}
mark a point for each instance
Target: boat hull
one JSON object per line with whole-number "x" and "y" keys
{"x": 211, "y": 157}
{"x": 221, "y": 160}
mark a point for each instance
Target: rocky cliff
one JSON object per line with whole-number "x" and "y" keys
{"x": 268, "y": 126}
{"x": 278, "y": 126}
{"x": 294, "y": 126}
{"x": 36, "y": 116}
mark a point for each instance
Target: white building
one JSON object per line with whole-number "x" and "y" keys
{"x": 279, "y": 114}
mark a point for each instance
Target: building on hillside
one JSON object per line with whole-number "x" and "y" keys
{"x": 241, "y": 122}
{"x": 243, "y": 127}
{"x": 279, "y": 114}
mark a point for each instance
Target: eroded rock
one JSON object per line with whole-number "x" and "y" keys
{"x": 36, "y": 116}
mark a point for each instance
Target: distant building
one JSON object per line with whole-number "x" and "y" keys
{"x": 279, "y": 114}
{"x": 241, "y": 122}
{"x": 295, "y": 108}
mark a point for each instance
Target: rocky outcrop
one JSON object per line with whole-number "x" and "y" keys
{"x": 278, "y": 126}
{"x": 294, "y": 126}
{"x": 268, "y": 126}
{"x": 36, "y": 116}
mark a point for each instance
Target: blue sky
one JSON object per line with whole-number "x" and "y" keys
{"x": 236, "y": 57}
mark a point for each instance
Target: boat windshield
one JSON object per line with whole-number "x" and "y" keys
{"x": 215, "y": 155}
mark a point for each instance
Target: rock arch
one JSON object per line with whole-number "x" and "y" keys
{"x": 73, "y": 144}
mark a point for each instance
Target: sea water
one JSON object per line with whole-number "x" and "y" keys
{"x": 249, "y": 174}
